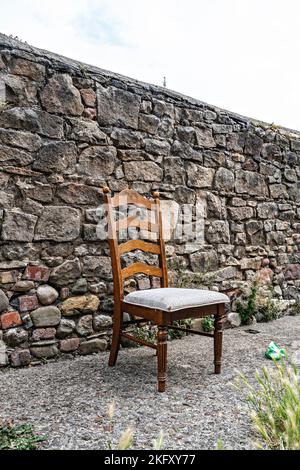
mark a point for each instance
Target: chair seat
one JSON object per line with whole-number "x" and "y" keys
{"x": 171, "y": 299}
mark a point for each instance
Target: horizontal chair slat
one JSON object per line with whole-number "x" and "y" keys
{"x": 142, "y": 268}
{"x": 131, "y": 197}
{"x": 139, "y": 245}
{"x": 133, "y": 221}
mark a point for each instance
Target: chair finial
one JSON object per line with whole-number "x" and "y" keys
{"x": 155, "y": 194}
{"x": 106, "y": 189}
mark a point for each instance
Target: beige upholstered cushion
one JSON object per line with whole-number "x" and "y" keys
{"x": 171, "y": 299}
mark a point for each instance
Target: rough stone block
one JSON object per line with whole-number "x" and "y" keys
{"x": 18, "y": 226}
{"x": 60, "y": 96}
{"x": 20, "y": 358}
{"x": 69, "y": 345}
{"x": 46, "y": 351}
{"x": 28, "y": 302}
{"x": 117, "y": 107}
{"x": 58, "y": 223}
{"x": 93, "y": 346}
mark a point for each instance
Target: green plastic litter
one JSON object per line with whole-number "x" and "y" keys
{"x": 274, "y": 351}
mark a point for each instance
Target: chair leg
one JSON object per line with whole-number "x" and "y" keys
{"x": 116, "y": 337}
{"x": 218, "y": 339}
{"x": 162, "y": 336}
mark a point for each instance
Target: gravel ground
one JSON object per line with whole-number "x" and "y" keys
{"x": 68, "y": 400}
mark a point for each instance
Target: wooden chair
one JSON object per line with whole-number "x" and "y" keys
{"x": 163, "y": 305}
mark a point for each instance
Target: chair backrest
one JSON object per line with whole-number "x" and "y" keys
{"x": 149, "y": 228}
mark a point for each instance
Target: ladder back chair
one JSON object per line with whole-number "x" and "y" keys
{"x": 163, "y": 305}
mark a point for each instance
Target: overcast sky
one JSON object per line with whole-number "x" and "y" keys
{"x": 242, "y": 55}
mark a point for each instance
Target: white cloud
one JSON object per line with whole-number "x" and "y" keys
{"x": 238, "y": 54}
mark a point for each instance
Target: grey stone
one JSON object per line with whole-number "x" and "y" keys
{"x": 224, "y": 180}
{"x": 185, "y": 195}
{"x": 117, "y": 107}
{"x": 157, "y": 147}
{"x": 235, "y": 142}
{"x": 253, "y": 144}
{"x": 97, "y": 161}
{"x": 126, "y": 138}
{"x": 174, "y": 170}
{"x": 222, "y": 128}
{"x": 15, "y": 336}
{"x": 56, "y": 157}
{"x": 46, "y": 294}
{"x": 28, "y": 119}
{"x": 98, "y": 289}
{"x": 93, "y": 346}
{"x": 58, "y": 223}
{"x": 67, "y": 271}
{"x": 143, "y": 171}
{"x": 39, "y": 192}
{"x": 240, "y": 213}
{"x": 218, "y": 232}
{"x": 267, "y": 210}
{"x": 184, "y": 150}
{"x": 6, "y": 201}
{"x": 46, "y": 316}
{"x": 215, "y": 206}
{"x": 97, "y": 266}
{"x": 148, "y": 123}
{"x": 20, "y": 358}
{"x": 23, "y": 286}
{"x": 84, "y": 326}
{"x": 81, "y": 194}
{"x": 278, "y": 191}
{"x": 18, "y": 226}
{"x": 204, "y": 261}
{"x": 4, "y": 303}
{"x": 48, "y": 351}
{"x": 204, "y": 138}
{"x": 101, "y": 322}
{"x": 3, "y": 354}
{"x": 80, "y": 286}
{"x": 24, "y": 140}
{"x": 60, "y": 96}
{"x": 199, "y": 176}
{"x": 251, "y": 183}
{"x": 65, "y": 328}
{"x": 271, "y": 152}
{"x": 10, "y": 156}
{"x": 234, "y": 319}
{"x": 85, "y": 130}
{"x": 186, "y": 133}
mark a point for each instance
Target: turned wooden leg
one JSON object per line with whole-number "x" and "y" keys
{"x": 116, "y": 337}
{"x": 162, "y": 336}
{"x": 218, "y": 338}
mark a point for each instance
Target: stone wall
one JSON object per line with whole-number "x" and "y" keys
{"x": 66, "y": 129}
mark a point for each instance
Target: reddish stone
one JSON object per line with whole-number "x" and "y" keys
{"x": 28, "y": 302}
{"x": 37, "y": 273}
{"x": 90, "y": 113}
{"x": 68, "y": 345}
{"x": 64, "y": 293}
{"x": 20, "y": 358}
{"x": 292, "y": 272}
{"x": 43, "y": 333}
{"x": 89, "y": 96}
{"x": 265, "y": 275}
{"x": 10, "y": 320}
